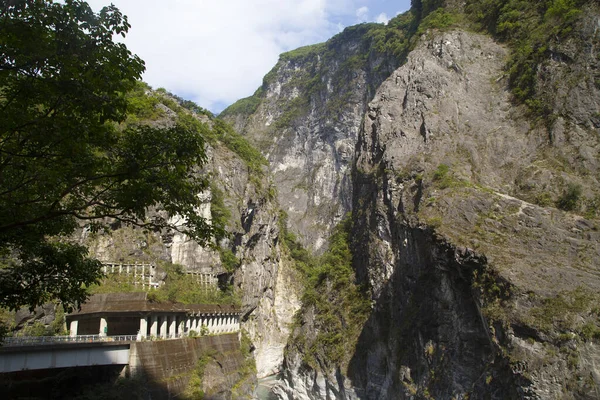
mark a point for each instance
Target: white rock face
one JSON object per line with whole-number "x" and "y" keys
{"x": 270, "y": 322}
{"x": 190, "y": 254}
{"x": 307, "y": 124}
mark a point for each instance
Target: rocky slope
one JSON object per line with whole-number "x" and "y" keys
{"x": 473, "y": 186}
{"x": 305, "y": 119}
{"x": 481, "y": 286}
{"x": 240, "y": 196}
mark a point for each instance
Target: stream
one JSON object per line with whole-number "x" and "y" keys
{"x": 263, "y": 389}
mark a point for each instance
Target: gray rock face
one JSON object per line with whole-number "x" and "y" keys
{"x": 567, "y": 80}
{"x": 480, "y": 287}
{"x": 306, "y": 125}
{"x": 461, "y": 263}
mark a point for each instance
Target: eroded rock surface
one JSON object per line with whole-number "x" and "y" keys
{"x": 463, "y": 267}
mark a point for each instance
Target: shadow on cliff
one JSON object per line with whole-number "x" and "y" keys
{"x": 425, "y": 335}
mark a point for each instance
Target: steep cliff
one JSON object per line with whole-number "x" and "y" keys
{"x": 475, "y": 228}
{"x": 468, "y": 267}
{"x": 305, "y": 119}
{"x": 241, "y": 201}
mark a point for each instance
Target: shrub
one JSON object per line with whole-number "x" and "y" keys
{"x": 338, "y": 304}
{"x": 219, "y": 213}
{"x": 570, "y": 197}
{"x": 229, "y": 260}
{"x": 439, "y": 19}
{"x": 442, "y": 176}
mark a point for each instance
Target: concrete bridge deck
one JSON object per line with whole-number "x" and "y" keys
{"x": 46, "y": 352}
{"x": 63, "y": 355}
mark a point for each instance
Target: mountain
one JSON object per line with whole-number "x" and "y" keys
{"x": 463, "y": 139}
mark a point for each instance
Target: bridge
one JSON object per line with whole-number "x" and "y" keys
{"x": 108, "y": 326}
{"x": 46, "y": 353}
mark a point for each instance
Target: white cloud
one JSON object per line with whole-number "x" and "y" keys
{"x": 382, "y": 18}
{"x": 215, "y": 52}
{"x": 362, "y": 14}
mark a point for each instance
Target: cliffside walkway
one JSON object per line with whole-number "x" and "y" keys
{"x": 118, "y": 314}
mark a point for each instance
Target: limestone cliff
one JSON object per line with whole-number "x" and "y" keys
{"x": 471, "y": 169}
{"x": 482, "y": 285}
{"x": 305, "y": 118}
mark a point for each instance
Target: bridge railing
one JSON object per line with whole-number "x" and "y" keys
{"x": 41, "y": 340}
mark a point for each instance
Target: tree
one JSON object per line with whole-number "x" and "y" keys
{"x": 66, "y": 159}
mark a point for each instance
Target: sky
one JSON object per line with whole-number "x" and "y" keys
{"x": 215, "y": 52}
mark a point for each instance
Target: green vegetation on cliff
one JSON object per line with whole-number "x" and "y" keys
{"x": 178, "y": 287}
{"x": 385, "y": 46}
{"x": 528, "y": 27}
{"x": 332, "y": 303}
{"x": 146, "y": 105}
{"x": 66, "y": 158}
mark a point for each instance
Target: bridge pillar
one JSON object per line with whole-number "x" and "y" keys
{"x": 143, "y": 327}
{"x": 173, "y": 326}
{"x": 103, "y": 327}
{"x": 188, "y": 324}
{"x": 73, "y": 327}
{"x": 194, "y": 323}
{"x": 153, "y": 325}
{"x": 163, "y": 326}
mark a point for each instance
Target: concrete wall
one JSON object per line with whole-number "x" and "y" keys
{"x": 168, "y": 364}
{"x": 89, "y": 326}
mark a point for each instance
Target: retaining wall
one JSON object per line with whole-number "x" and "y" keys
{"x": 168, "y": 365}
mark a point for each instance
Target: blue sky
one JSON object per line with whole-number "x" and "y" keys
{"x": 216, "y": 52}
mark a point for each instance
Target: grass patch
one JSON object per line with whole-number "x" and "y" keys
{"x": 443, "y": 178}
{"x": 178, "y": 287}
{"x": 569, "y": 200}
{"x": 528, "y": 27}
{"x": 563, "y": 313}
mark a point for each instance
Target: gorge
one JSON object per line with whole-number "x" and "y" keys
{"x": 412, "y": 209}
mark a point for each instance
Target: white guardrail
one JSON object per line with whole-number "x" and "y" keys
{"x": 43, "y": 340}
